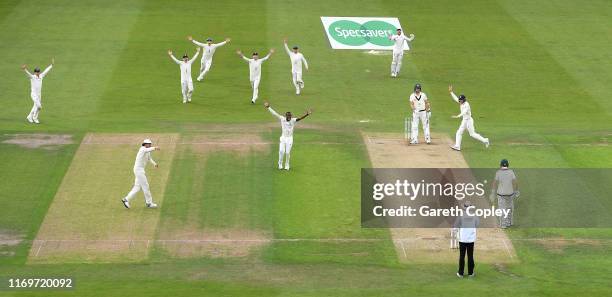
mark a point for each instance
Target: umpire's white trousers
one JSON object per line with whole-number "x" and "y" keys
{"x": 187, "y": 89}
{"x": 255, "y": 86}
{"x": 469, "y": 125}
{"x": 36, "y": 107}
{"x": 204, "y": 68}
{"x": 396, "y": 63}
{"x": 414, "y": 132}
{"x": 140, "y": 183}
{"x": 284, "y": 150}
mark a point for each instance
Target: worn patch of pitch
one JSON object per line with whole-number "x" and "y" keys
{"x": 432, "y": 245}
{"x": 86, "y": 221}
{"x": 39, "y": 140}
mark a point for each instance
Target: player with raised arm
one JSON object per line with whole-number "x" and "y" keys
{"x": 186, "y": 81}
{"x": 36, "y": 80}
{"x": 208, "y": 50}
{"x": 297, "y": 59}
{"x": 398, "y": 50}
{"x": 286, "y": 140}
{"x": 255, "y": 70}
{"x": 140, "y": 181}
{"x": 466, "y": 123}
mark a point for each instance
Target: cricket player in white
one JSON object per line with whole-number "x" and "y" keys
{"x": 140, "y": 181}
{"x": 286, "y": 140}
{"x": 208, "y": 50}
{"x": 398, "y": 50}
{"x": 421, "y": 110}
{"x": 36, "y": 80}
{"x": 297, "y": 59}
{"x": 466, "y": 123}
{"x": 255, "y": 71}
{"x": 186, "y": 82}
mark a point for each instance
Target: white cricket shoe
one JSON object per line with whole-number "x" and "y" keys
{"x": 414, "y": 142}
{"x": 301, "y": 84}
{"x": 287, "y": 167}
{"x": 428, "y": 141}
{"x": 455, "y": 148}
{"x": 29, "y": 119}
{"x": 471, "y": 275}
{"x": 36, "y": 121}
{"x": 151, "y": 205}
{"x": 393, "y": 74}
{"x": 126, "y": 203}
{"x": 184, "y": 101}
{"x": 297, "y": 91}
{"x": 487, "y": 143}
{"x": 459, "y": 275}
{"x": 280, "y": 166}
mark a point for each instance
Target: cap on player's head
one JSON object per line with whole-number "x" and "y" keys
{"x": 209, "y": 39}
{"x": 417, "y": 87}
{"x": 36, "y": 70}
{"x": 147, "y": 141}
{"x": 295, "y": 47}
{"x": 462, "y": 98}
{"x": 504, "y": 163}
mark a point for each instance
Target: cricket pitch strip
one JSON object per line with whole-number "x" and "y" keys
{"x": 84, "y": 222}
{"x": 432, "y": 245}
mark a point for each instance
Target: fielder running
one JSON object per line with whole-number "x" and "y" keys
{"x": 186, "y": 82}
{"x": 140, "y": 181}
{"x": 297, "y": 59}
{"x": 208, "y": 50}
{"x": 421, "y": 110}
{"x": 286, "y": 140}
{"x": 36, "y": 80}
{"x": 398, "y": 50}
{"x": 255, "y": 71}
{"x": 466, "y": 123}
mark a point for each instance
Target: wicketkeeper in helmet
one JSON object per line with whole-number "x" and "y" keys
{"x": 421, "y": 110}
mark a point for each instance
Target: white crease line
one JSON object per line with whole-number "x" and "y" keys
{"x": 39, "y": 247}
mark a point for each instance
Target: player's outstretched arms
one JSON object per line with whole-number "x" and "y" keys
{"x": 172, "y": 57}
{"x": 272, "y": 111}
{"x": 195, "y": 56}
{"x": 308, "y": 112}
{"x": 411, "y": 37}
{"x": 450, "y": 90}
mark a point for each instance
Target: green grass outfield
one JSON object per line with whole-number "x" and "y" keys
{"x": 537, "y": 76}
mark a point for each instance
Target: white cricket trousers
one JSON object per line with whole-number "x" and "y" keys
{"x": 204, "y": 68}
{"x": 187, "y": 89}
{"x": 37, "y": 106}
{"x": 469, "y": 125}
{"x": 284, "y": 150}
{"x": 297, "y": 81}
{"x": 396, "y": 63}
{"x": 414, "y": 133}
{"x": 255, "y": 85}
{"x": 140, "y": 183}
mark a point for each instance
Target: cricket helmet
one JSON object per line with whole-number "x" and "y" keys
{"x": 417, "y": 87}
{"x": 36, "y": 69}
{"x": 504, "y": 163}
{"x": 209, "y": 39}
{"x": 462, "y": 98}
